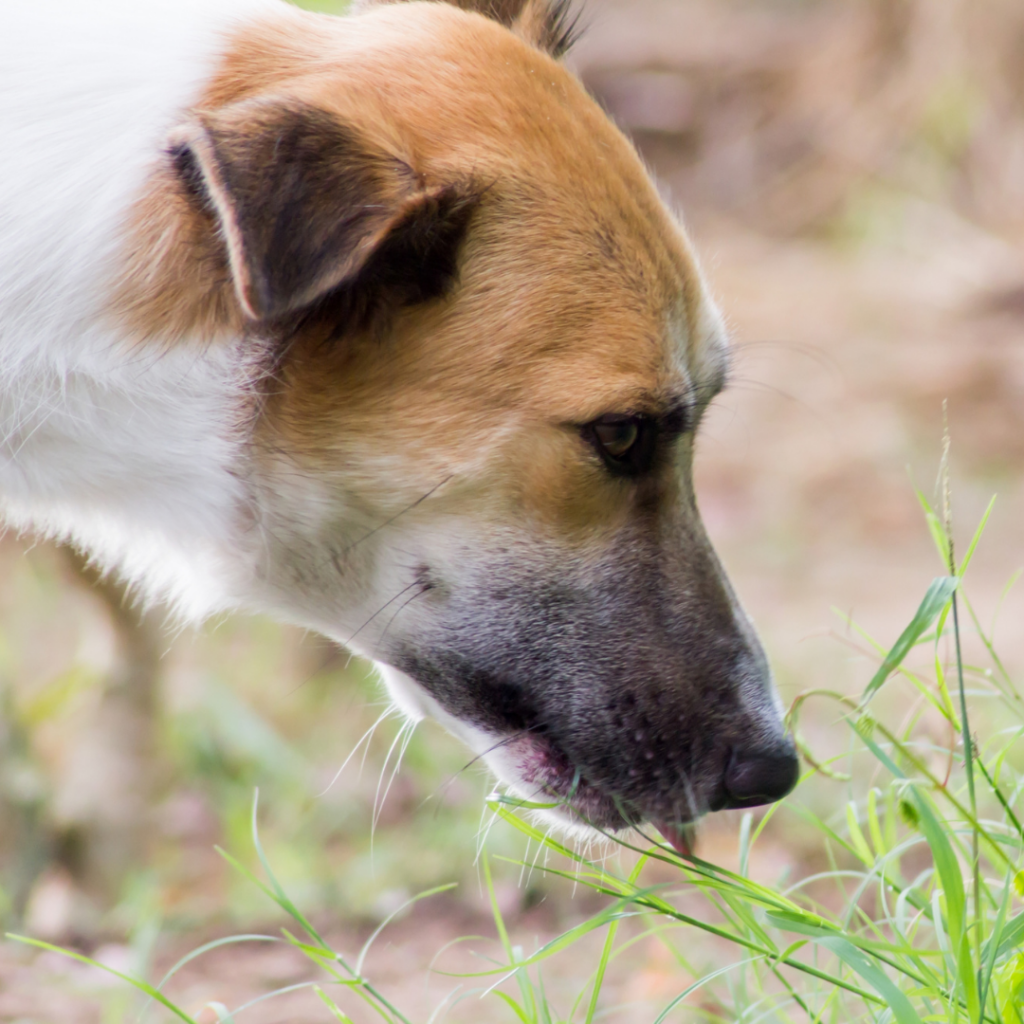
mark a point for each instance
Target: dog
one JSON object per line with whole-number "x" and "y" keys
{"x": 377, "y": 324}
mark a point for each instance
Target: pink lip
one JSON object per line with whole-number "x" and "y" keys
{"x": 540, "y": 763}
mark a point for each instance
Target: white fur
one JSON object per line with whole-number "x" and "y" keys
{"x": 132, "y": 454}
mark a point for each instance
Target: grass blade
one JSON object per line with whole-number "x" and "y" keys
{"x": 860, "y": 963}
{"x": 142, "y": 986}
{"x": 935, "y": 599}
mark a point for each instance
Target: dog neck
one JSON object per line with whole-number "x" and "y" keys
{"x": 135, "y": 453}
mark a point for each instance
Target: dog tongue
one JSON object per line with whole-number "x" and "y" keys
{"x": 682, "y": 838}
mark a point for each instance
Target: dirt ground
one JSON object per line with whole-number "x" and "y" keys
{"x": 847, "y": 344}
{"x": 413, "y": 965}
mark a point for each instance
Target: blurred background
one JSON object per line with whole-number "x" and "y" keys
{"x": 852, "y": 172}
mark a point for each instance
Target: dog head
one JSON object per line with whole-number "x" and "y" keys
{"x": 488, "y": 349}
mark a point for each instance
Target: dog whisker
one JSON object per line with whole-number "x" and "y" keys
{"x": 817, "y": 355}
{"x": 440, "y": 790}
{"x": 484, "y": 831}
{"x": 405, "y": 604}
{"x": 419, "y": 501}
{"x": 382, "y": 608}
{"x": 364, "y": 739}
{"x": 401, "y": 740}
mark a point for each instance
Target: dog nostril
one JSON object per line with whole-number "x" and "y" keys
{"x": 761, "y": 776}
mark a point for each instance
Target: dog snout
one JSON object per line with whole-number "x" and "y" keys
{"x": 760, "y": 776}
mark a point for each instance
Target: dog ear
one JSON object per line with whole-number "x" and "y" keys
{"x": 550, "y": 25}
{"x": 306, "y": 206}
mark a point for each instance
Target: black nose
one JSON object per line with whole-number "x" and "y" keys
{"x": 756, "y": 777}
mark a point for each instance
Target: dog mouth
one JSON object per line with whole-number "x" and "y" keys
{"x": 539, "y": 773}
{"x": 547, "y": 776}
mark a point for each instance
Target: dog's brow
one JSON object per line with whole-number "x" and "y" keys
{"x": 700, "y": 391}
{"x": 703, "y": 391}
{"x": 678, "y": 413}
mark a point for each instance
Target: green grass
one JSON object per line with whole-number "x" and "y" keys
{"x": 916, "y": 915}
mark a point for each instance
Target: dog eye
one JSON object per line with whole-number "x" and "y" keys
{"x": 616, "y": 434}
{"x": 625, "y": 443}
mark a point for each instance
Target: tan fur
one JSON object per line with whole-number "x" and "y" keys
{"x": 173, "y": 282}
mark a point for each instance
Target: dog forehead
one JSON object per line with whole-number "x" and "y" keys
{"x": 592, "y": 304}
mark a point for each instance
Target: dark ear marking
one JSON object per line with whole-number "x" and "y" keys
{"x": 550, "y": 25}
{"x": 416, "y": 262}
{"x": 305, "y": 205}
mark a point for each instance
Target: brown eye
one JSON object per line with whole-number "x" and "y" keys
{"x": 616, "y": 435}
{"x": 625, "y": 443}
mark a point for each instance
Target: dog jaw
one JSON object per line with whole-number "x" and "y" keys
{"x": 537, "y": 777}
{"x": 529, "y": 771}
